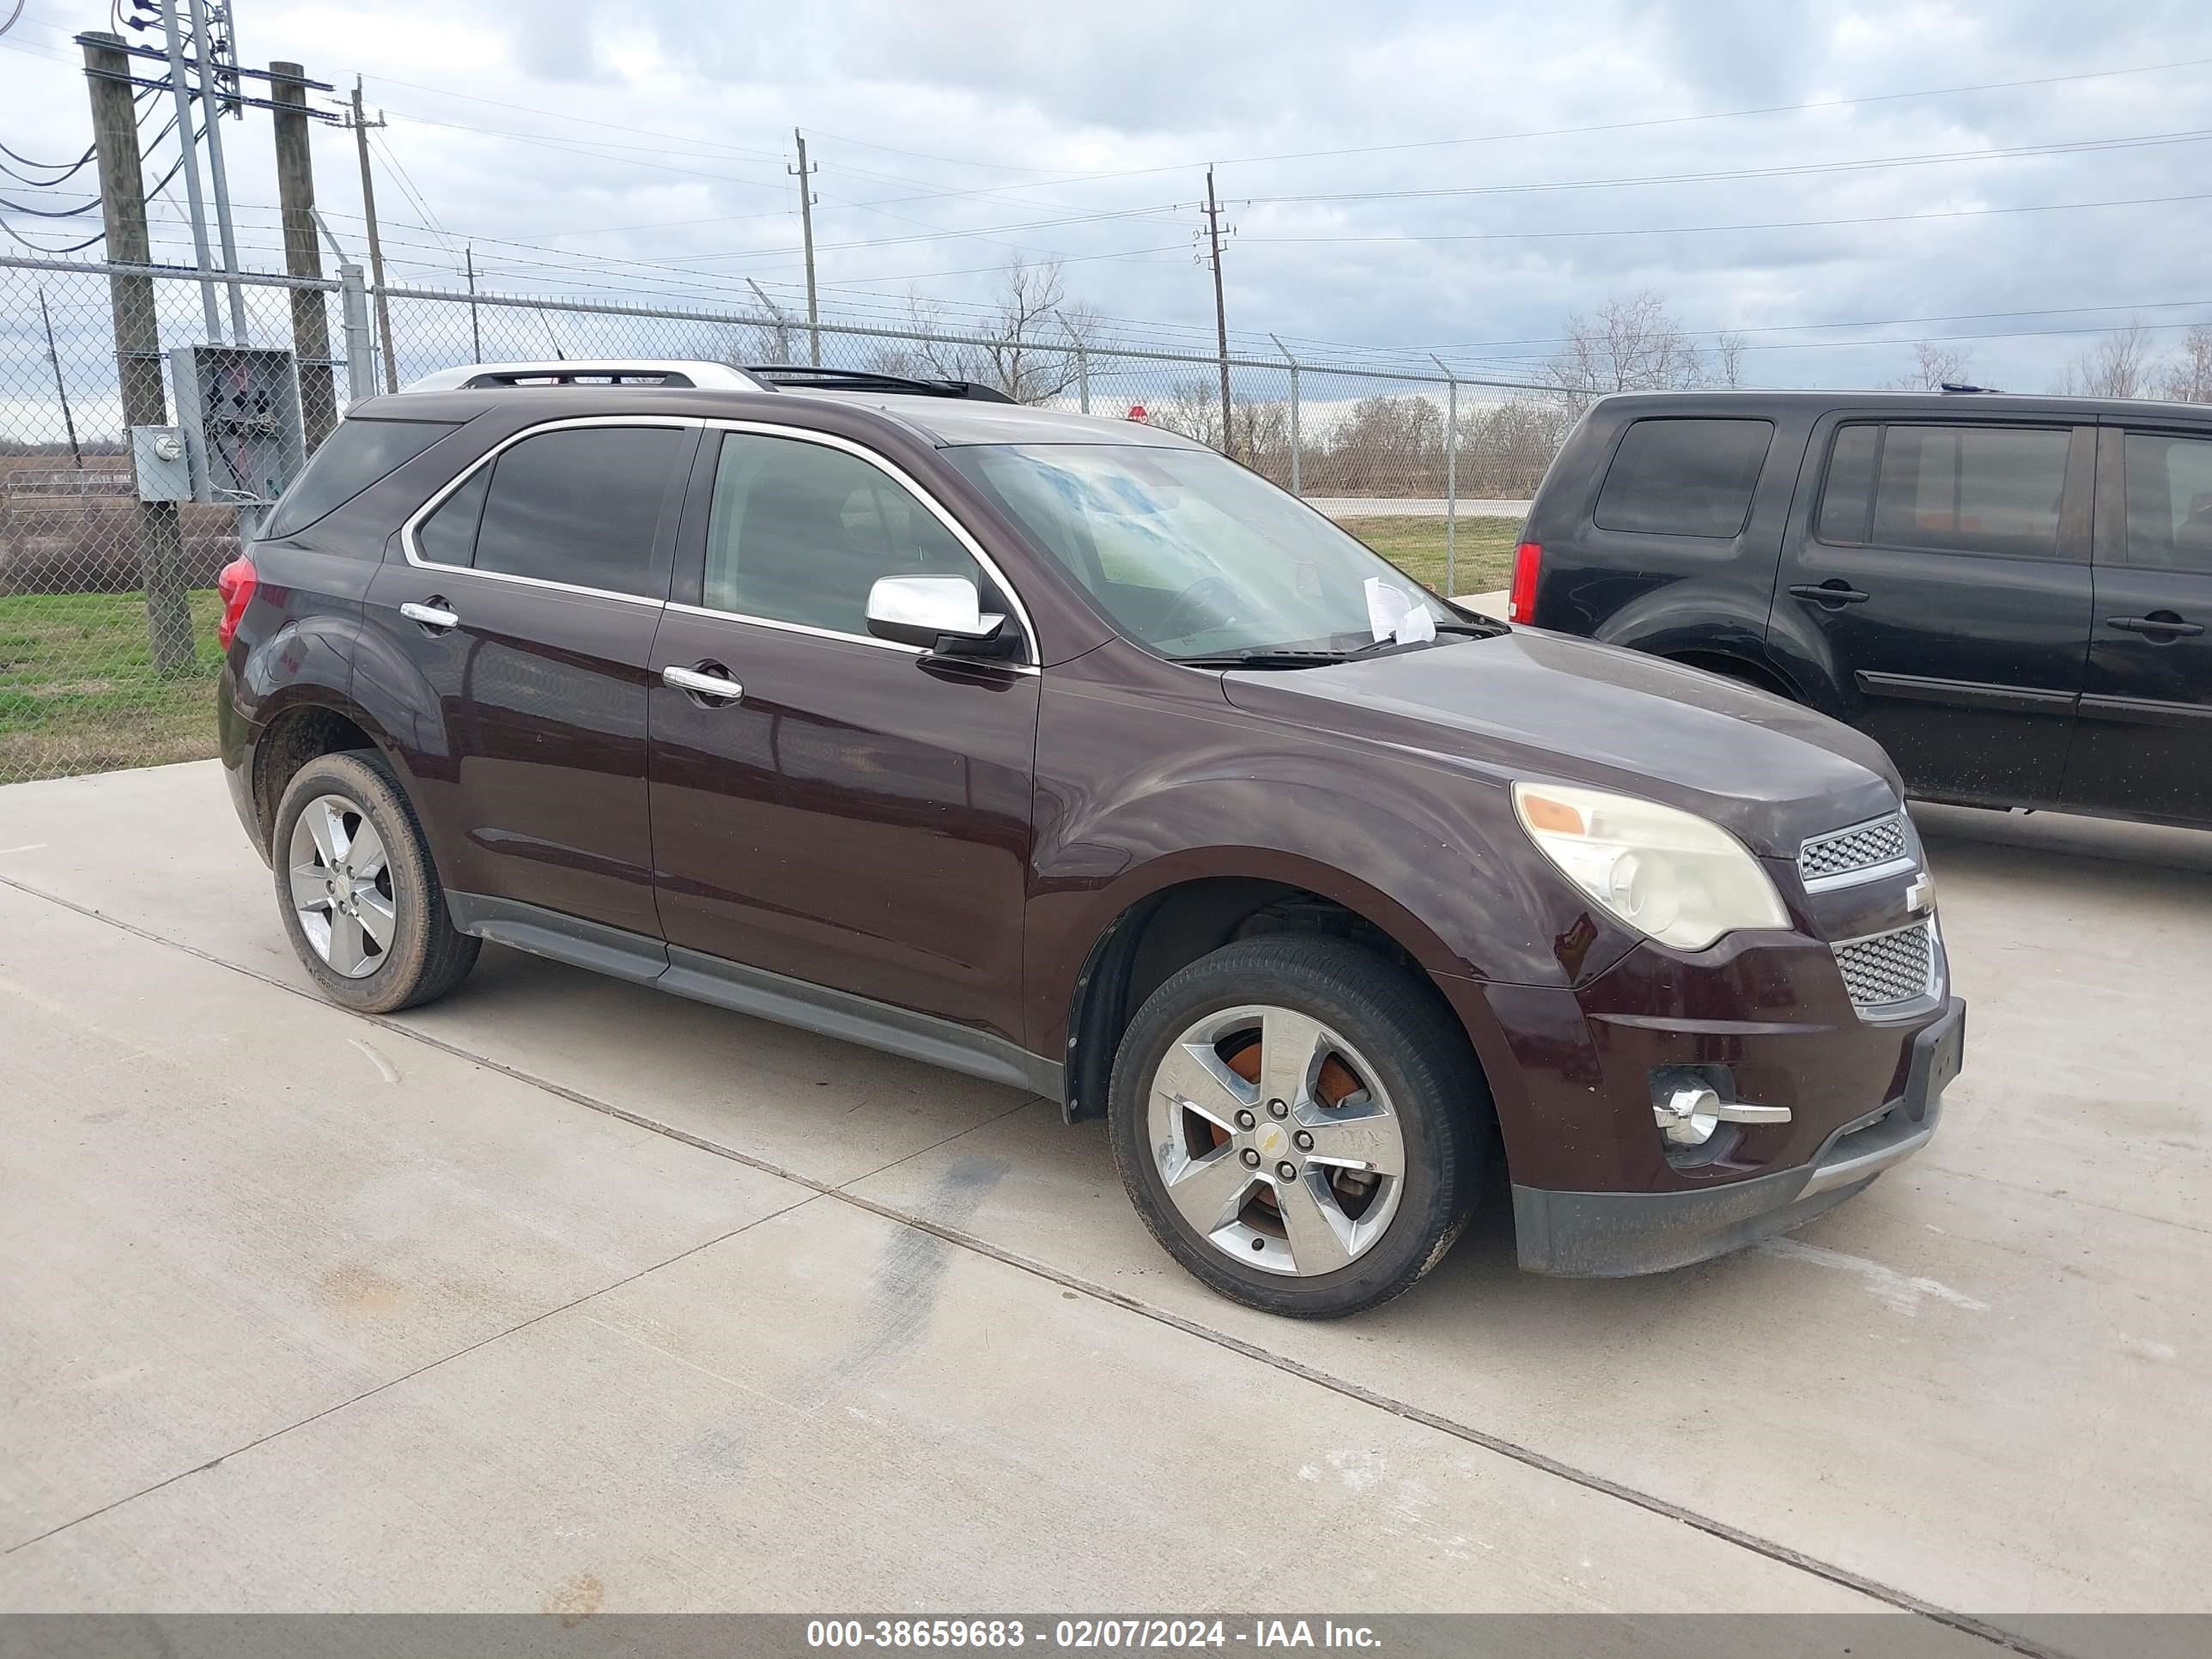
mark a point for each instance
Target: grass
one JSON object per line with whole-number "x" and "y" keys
{"x": 78, "y": 692}
{"x": 1483, "y": 550}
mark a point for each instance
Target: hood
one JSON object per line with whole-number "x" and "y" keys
{"x": 1530, "y": 704}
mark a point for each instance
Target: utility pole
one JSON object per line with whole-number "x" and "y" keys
{"x": 68, "y": 421}
{"x": 137, "y": 336}
{"x": 181, "y": 90}
{"x": 1451, "y": 477}
{"x": 361, "y": 123}
{"x": 476, "y": 334}
{"x": 295, "y": 200}
{"x": 806, "y": 227}
{"x": 1297, "y": 443}
{"x": 211, "y": 108}
{"x": 1220, "y": 311}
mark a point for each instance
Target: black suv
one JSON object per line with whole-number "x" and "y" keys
{"x": 2010, "y": 592}
{"x": 1070, "y": 753}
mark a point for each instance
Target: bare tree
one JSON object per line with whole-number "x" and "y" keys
{"x": 1510, "y": 445}
{"x": 1934, "y": 366}
{"x": 1633, "y": 344}
{"x": 1727, "y": 359}
{"x": 1026, "y": 348}
{"x": 2189, "y": 378}
{"x": 1192, "y": 410}
{"x": 2118, "y": 366}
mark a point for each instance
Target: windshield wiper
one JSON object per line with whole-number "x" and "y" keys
{"x": 1463, "y": 629}
{"x": 1267, "y": 659}
{"x": 1286, "y": 657}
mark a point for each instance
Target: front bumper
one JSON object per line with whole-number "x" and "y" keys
{"x": 1614, "y": 1234}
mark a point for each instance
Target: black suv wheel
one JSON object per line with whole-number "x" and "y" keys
{"x": 358, "y": 892}
{"x": 1298, "y": 1121}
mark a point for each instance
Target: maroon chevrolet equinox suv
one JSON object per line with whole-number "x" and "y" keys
{"x": 1069, "y": 754}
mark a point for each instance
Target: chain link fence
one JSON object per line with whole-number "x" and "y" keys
{"x": 107, "y": 603}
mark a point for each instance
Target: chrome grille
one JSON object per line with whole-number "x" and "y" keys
{"x": 1889, "y": 968}
{"x": 1831, "y": 858}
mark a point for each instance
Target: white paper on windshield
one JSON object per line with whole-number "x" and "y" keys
{"x": 1392, "y": 614}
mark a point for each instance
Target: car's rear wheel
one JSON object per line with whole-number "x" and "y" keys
{"x": 358, "y": 891}
{"x": 1298, "y": 1120}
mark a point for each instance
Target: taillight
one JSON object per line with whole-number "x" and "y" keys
{"x": 1520, "y": 603}
{"x": 235, "y": 583}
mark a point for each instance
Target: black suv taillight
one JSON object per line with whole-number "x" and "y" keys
{"x": 1521, "y": 601}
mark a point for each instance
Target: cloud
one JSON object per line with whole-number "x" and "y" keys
{"x": 604, "y": 149}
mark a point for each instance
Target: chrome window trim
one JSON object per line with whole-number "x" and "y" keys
{"x": 412, "y": 548}
{"x": 813, "y": 632}
{"x": 1906, "y": 864}
{"x": 938, "y": 509}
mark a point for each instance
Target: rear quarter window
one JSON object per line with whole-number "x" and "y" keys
{"x": 1684, "y": 476}
{"x": 351, "y": 459}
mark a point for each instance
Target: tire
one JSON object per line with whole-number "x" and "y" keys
{"x": 327, "y": 807}
{"x": 1333, "y": 1004}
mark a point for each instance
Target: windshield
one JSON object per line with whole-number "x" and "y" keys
{"x": 1187, "y": 552}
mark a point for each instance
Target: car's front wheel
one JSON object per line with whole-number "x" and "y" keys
{"x": 1300, "y": 1123}
{"x": 358, "y": 890}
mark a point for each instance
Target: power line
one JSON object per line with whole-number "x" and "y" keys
{"x": 1426, "y": 144}
{"x": 2144, "y": 140}
{"x": 1771, "y": 224}
{"x": 1722, "y": 115}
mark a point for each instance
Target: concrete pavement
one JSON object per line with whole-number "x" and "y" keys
{"x": 565, "y": 1292}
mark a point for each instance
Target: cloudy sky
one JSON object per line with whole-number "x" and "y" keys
{"x": 1401, "y": 177}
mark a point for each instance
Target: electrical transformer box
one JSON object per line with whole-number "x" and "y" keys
{"x": 239, "y": 410}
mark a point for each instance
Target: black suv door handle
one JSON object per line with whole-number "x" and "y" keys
{"x": 1833, "y": 592}
{"x": 2159, "y": 622}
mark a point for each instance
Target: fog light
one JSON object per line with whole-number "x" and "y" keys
{"x": 1687, "y": 1115}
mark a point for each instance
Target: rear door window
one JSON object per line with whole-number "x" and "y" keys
{"x": 580, "y": 506}
{"x": 1971, "y": 488}
{"x": 2169, "y": 502}
{"x": 1684, "y": 476}
{"x": 351, "y": 459}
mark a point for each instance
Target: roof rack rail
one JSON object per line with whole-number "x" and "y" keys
{"x": 1956, "y": 387}
{"x": 805, "y": 377}
{"x": 673, "y": 372}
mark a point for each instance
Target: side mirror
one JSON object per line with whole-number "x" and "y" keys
{"x": 942, "y": 614}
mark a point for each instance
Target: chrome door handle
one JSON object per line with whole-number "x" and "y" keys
{"x": 432, "y": 615}
{"x": 717, "y": 687}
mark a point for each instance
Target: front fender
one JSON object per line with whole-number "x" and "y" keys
{"x": 1432, "y": 873}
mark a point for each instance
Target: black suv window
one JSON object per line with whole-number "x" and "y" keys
{"x": 1684, "y": 477}
{"x": 581, "y": 505}
{"x": 1949, "y": 489}
{"x": 798, "y": 532}
{"x": 2169, "y": 502}
{"x": 351, "y": 459}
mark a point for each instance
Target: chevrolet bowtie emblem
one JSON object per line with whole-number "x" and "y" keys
{"x": 1920, "y": 896}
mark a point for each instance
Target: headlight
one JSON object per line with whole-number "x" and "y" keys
{"x": 1669, "y": 874}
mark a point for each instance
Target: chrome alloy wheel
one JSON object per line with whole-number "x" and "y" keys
{"x": 342, "y": 885}
{"x": 1275, "y": 1140}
